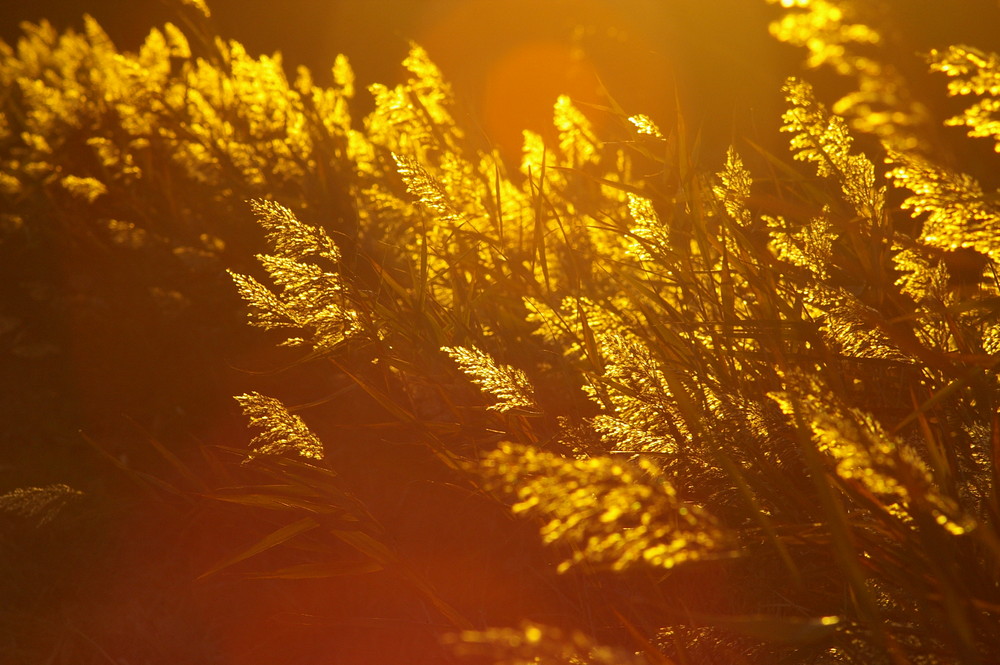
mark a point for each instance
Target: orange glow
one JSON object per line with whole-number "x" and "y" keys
{"x": 522, "y": 85}
{"x": 512, "y": 60}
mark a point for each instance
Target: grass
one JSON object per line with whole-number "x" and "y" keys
{"x": 602, "y": 405}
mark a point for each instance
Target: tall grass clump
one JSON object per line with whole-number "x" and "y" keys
{"x": 752, "y": 415}
{"x": 776, "y": 380}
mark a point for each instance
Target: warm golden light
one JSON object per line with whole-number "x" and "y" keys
{"x": 560, "y": 353}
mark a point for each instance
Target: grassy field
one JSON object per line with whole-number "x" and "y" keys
{"x": 608, "y": 400}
